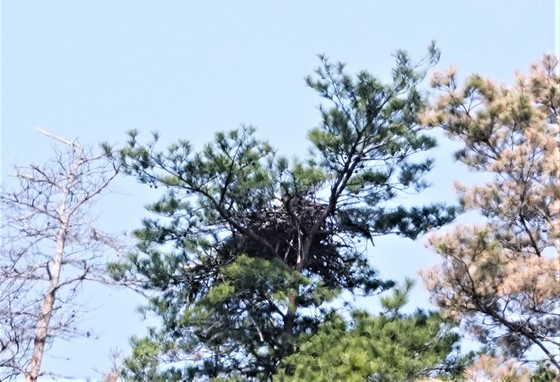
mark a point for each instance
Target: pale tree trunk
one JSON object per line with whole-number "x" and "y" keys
{"x": 42, "y": 331}
{"x": 46, "y": 226}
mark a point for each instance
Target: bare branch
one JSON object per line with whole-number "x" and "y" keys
{"x": 50, "y": 246}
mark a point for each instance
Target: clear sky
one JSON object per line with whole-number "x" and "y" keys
{"x": 93, "y": 69}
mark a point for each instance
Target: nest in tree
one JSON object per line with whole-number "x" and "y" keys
{"x": 283, "y": 228}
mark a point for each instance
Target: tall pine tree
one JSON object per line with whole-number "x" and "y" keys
{"x": 245, "y": 249}
{"x": 500, "y": 278}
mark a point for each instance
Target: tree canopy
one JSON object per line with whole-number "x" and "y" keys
{"x": 250, "y": 261}
{"x": 500, "y": 277}
{"x": 245, "y": 250}
{"x": 391, "y": 346}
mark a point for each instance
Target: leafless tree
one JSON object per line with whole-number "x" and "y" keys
{"x": 49, "y": 248}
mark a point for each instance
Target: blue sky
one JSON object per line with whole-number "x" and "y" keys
{"x": 95, "y": 69}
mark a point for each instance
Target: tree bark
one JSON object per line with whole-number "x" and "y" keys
{"x": 42, "y": 331}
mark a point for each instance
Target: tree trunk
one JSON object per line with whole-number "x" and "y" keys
{"x": 42, "y": 330}
{"x": 288, "y": 329}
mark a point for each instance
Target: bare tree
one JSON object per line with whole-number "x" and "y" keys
{"x": 49, "y": 247}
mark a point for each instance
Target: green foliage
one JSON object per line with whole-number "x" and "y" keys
{"x": 245, "y": 249}
{"x": 544, "y": 373}
{"x": 388, "y": 347}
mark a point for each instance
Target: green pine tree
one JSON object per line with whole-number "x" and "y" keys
{"x": 390, "y": 347}
{"x": 245, "y": 249}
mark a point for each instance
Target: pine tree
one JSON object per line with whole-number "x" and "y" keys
{"x": 500, "y": 278}
{"x": 249, "y": 247}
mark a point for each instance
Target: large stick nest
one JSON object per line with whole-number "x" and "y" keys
{"x": 284, "y": 227}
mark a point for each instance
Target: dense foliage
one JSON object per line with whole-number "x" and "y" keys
{"x": 389, "y": 347}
